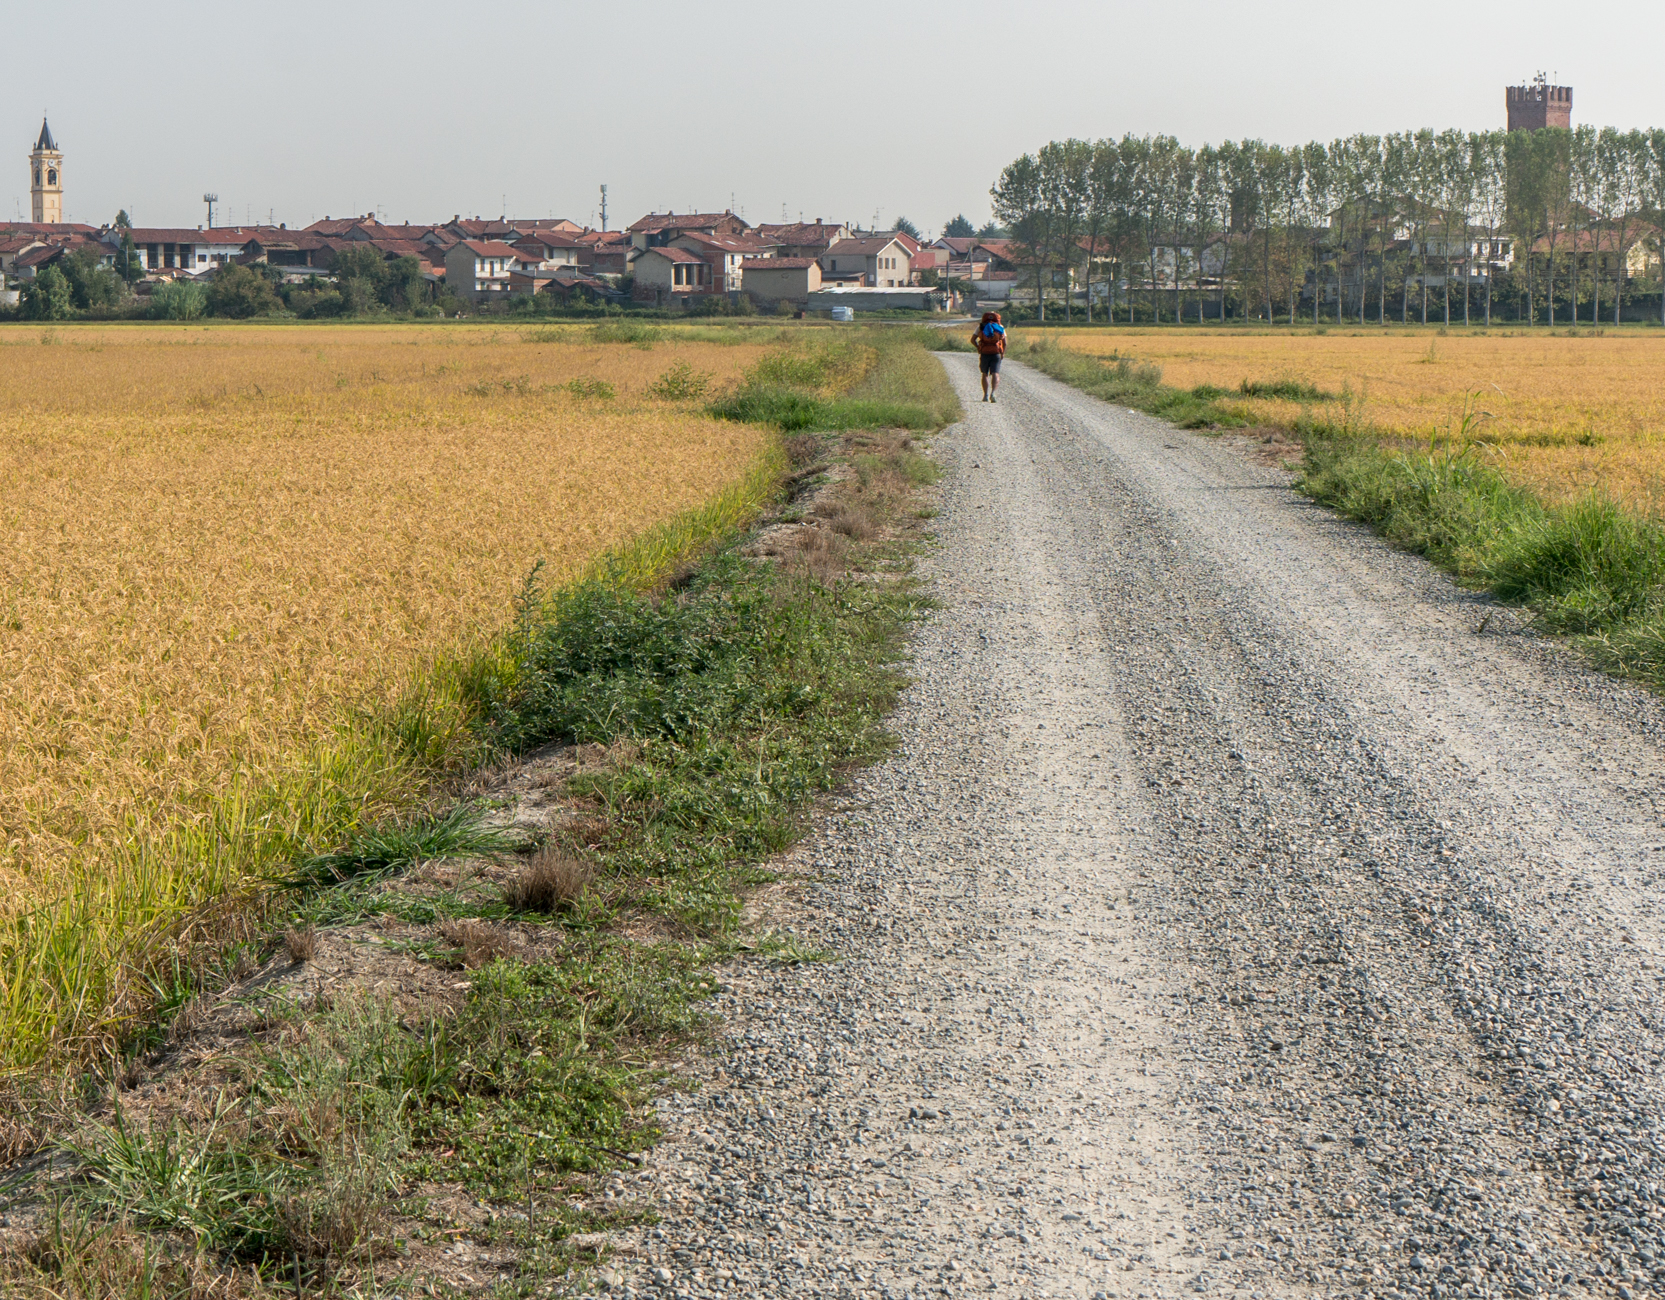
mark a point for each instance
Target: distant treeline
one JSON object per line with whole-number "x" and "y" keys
{"x": 1561, "y": 224}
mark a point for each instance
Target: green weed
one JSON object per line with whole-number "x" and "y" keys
{"x": 1286, "y": 389}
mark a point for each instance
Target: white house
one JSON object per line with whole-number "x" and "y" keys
{"x": 878, "y": 263}
{"x": 163, "y": 248}
{"x": 476, "y": 267}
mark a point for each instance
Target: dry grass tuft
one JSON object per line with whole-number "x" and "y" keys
{"x": 850, "y": 518}
{"x": 823, "y": 554}
{"x": 803, "y": 449}
{"x": 550, "y": 882}
{"x": 302, "y": 944}
{"x": 481, "y": 943}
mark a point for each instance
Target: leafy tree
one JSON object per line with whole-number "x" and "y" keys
{"x": 906, "y": 227}
{"x": 240, "y": 292}
{"x": 1487, "y": 162}
{"x": 403, "y": 287}
{"x": 178, "y": 300}
{"x": 959, "y": 228}
{"x": 46, "y": 297}
{"x": 360, "y": 274}
{"x": 1020, "y": 201}
{"x": 1065, "y": 189}
{"x": 90, "y": 284}
{"x": 993, "y": 230}
{"x": 128, "y": 265}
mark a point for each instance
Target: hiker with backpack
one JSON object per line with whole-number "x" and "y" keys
{"x": 990, "y": 342}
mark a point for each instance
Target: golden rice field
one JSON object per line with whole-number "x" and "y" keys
{"x": 217, "y": 543}
{"x": 1561, "y": 414}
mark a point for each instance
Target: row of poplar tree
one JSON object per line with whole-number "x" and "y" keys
{"x": 1418, "y": 225}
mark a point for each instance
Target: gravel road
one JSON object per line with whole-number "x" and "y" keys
{"x": 1236, "y": 915}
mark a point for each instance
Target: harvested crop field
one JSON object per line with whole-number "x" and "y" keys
{"x": 222, "y": 543}
{"x": 1562, "y": 414}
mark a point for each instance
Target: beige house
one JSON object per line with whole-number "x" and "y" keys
{"x": 880, "y": 263}
{"x": 666, "y": 275}
{"x": 476, "y": 268}
{"x": 772, "y": 279}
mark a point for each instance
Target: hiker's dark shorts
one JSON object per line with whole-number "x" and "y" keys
{"x": 989, "y": 362}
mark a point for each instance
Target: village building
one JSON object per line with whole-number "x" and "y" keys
{"x": 879, "y": 263}
{"x": 725, "y": 254}
{"x": 602, "y": 252}
{"x": 803, "y": 238}
{"x": 562, "y": 283}
{"x": 547, "y": 248}
{"x": 770, "y": 280}
{"x": 658, "y": 228}
{"x": 479, "y": 268}
{"x": 183, "y": 250}
{"x": 670, "y": 275}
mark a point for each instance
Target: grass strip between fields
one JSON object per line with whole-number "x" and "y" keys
{"x": 724, "y": 702}
{"x": 1590, "y": 570}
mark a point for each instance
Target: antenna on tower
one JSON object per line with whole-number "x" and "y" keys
{"x": 603, "y": 209}
{"x": 211, "y": 200}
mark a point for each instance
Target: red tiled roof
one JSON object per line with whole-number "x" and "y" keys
{"x": 47, "y": 228}
{"x": 794, "y": 232}
{"x": 185, "y": 235}
{"x": 673, "y": 254}
{"x": 687, "y": 221}
{"x": 474, "y": 227}
{"x": 306, "y": 240}
{"x": 487, "y": 248}
{"x": 729, "y": 243}
{"x": 862, "y": 247}
{"x": 406, "y": 248}
{"x": 35, "y": 256}
{"x": 335, "y": 226}
{"x": 548, "y": 238}
{"x": 778, "y": 263}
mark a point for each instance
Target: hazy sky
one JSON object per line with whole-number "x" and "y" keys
{"x": 422, "y": 110}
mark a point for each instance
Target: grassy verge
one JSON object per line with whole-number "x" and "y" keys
{"x": 335, "y": 1136}
{"x": 1589, "y": 570}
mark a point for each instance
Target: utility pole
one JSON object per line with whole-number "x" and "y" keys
{"x": 604, "y": 209}
{"x": 211, "y": 200}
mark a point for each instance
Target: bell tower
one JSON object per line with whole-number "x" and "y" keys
{"x": 46, "y": 179}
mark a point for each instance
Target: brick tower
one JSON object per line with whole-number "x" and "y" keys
{"x": 1538, "y": 104}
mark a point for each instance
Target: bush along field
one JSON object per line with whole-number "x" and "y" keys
{"x": 1585, "y": 565}
{"x": 430, "y": 1065}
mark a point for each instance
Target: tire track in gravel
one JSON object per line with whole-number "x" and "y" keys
{"x": 1232, "y": 917}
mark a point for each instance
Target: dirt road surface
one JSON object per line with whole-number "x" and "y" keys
{"x": 1235, "y": 916}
